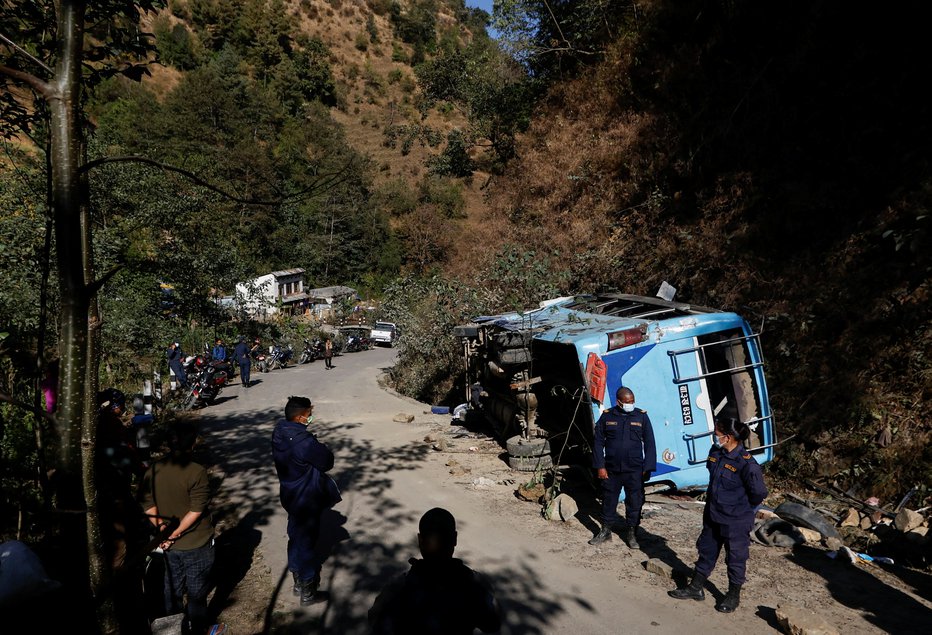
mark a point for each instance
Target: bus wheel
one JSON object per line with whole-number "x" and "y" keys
{"x": 530, "y": 463}
{"x": 519, "y": 446}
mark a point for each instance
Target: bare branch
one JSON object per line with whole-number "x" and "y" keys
{"x": 90, "y": 165}
{"x": 16, "y": 47}
{"x": 25, "y": 406}
{"x": 95, "y": 286}
{"x": 43, "y": 88}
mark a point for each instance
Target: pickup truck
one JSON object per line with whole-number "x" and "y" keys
{"x": 384, "y": 333}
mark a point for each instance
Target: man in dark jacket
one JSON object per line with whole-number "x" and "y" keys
{"x": 305, "y": 491}
{"x": 176, "y": 362}
{"x": 439, "y": 595}
{"x": 624, "y": 456}
{"x": 241, "y": 356}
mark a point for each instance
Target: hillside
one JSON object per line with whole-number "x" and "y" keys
{"x": 761, "y": 167}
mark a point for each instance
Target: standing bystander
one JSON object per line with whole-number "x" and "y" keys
{"x": 301, "y": 462}
{"x": 439, "y": 595}
{"x": 176, "y": 363}
{"x": 242, "y": 356}
{"x": 176, "y": 487}
{"x": 328, "y": 353}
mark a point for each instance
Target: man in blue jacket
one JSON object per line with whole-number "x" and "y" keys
{"x": 241, "y": 356}
{"x": 176, "y": 362}
{"x": 624, "y": 456}
{"x": 219, "y": 352}
{"x": 305, "y": 491}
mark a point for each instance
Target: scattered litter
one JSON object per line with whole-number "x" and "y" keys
{"x": 873, "y": 500}
{"x": 777, "y": 532}
{"x": 459, "y": 413}
{"x": 483, "y": 483}
{"x": 855, "y": 557}
{"x": 440, "y": 410}
{"x": 473, "y": 448}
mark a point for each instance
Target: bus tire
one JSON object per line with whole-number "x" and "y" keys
{"x": 518, "y": 446}
{"x": 515, "y": 356}
{"x": 802, "y": 516}
{"x": 530, "y": 463}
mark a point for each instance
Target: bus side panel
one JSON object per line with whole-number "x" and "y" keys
{"x": 647, "y": 371}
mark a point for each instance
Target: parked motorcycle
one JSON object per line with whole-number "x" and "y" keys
{"x": 260, "y": 361}
{"x": 205, "y": 385}
{"x": 309, "y": 353}
{"x": 280, "y": 356}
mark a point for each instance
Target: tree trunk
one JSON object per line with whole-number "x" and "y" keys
{"x": 77, "y": 414}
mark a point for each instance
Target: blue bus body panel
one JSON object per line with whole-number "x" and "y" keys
{"x": 679, "y": 409}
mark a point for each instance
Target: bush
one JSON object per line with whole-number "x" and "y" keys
{"x": 429, "y": 366}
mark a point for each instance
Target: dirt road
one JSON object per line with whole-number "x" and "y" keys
{"x": 548, "y": 579}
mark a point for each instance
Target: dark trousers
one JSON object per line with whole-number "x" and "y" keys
{"x": 188, "y": 572}
{"x": 737, "y": 543}
{"x": 302, "y": 537}
{"x": 634, "y": 497}
{"x": 180, "y": 375}
{"x": 328, "y": 360}
{"x": 244, "y": 368}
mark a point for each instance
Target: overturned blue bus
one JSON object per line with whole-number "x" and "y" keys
{"x": 548, "y": 373}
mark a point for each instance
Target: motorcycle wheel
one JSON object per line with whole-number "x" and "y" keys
{"x": 189, "y": 402}
{"x": 303, "y": 358}
{"x": 263, "y": 367}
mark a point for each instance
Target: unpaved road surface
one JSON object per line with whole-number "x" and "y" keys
{"x": 545, "y": 575}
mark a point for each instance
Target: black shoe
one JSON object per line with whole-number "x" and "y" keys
{"x": 604, "y": 535}
{"x": 731, "y": 600}
{"x": 630, "y": 538}
{"x": 309, "y": 590}
{"x": 296, "y": 590}
{"x": 692, "y": 592}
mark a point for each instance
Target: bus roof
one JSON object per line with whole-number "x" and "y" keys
{"x": 573, "y": 319}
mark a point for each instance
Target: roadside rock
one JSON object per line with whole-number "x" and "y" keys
{"x": 658, "y": 566}
{"x": 403, "y": 418}
{"x": 799, "y": 621}
{"x": 907, "y": 520}
{"x": 565, "y": 506}
{"x": 811, "y": 535}
{"x": 852, "y": 519}
{"x": 531, "y": 494}
{"x": 833, "y": 544}
{"x": 432, "y": 438}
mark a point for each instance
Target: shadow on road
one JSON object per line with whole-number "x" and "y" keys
{"x": 239, "y": 446}
{"x": 863, "y": 592}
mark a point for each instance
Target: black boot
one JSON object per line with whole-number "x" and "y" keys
{"x": 603, "y": 536}
{"x": 731, "y": 600}
{"x": 692, "y": 592}
{"x": 296, "y": 590}
{"x": 631, "y": 537}
{"x": 309, "y": 590}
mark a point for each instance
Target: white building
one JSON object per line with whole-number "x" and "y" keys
{"x": 279, "y": 291}
{"x": 321, "y": 300}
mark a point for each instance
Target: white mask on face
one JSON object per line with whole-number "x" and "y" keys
{"x": 627, "y": 407}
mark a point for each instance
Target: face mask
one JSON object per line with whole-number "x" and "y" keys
{"x": 719, "y": 442}
{"x": 627, "y": 407}
{"x": 309, "y": 421}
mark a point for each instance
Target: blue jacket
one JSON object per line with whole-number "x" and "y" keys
{"x": 301, "y": 460}
{"x": 624, "y": 442}
{"x": 736, "y": 486}
{"x": 219, "y": 352}
{"x": 241, "y": 353}
{"x": 174, "y": 355}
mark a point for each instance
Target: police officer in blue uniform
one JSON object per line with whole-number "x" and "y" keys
{"x": 624, "y": 456}
{"x": 306, "y": 491}
{"x": 736, "y": 488}
{"x": 176, "y": 363}
{"x": 241, "y": 355}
